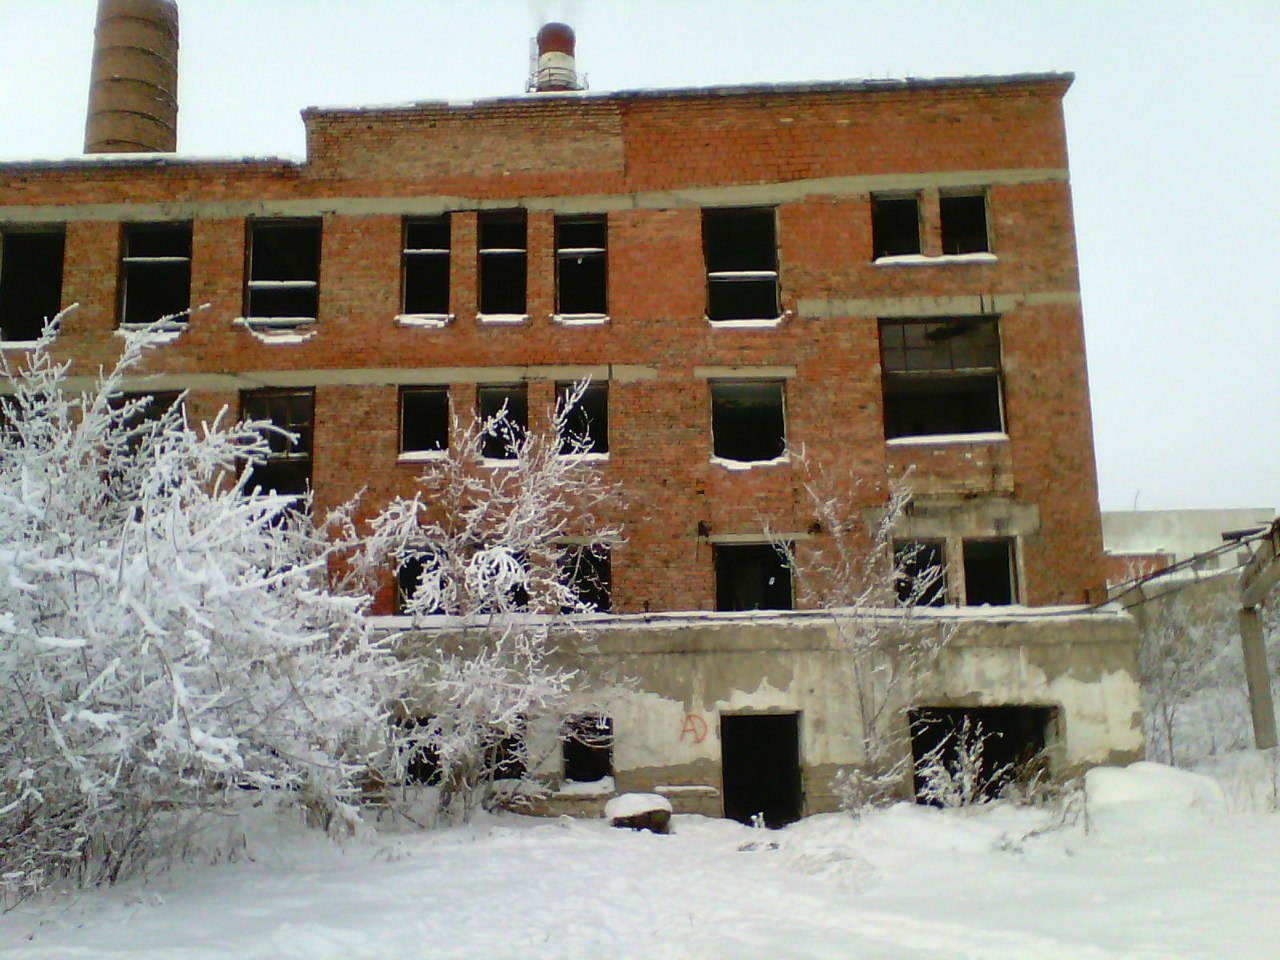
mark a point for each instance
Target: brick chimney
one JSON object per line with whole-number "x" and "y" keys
{"x": 133, "y": 91}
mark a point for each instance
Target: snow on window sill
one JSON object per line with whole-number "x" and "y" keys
{"x": 279, "y": 330}
{"x": 584, "y": 457}
{"x": 592, "y": 788}
{"x": 580, "y": 319}
{"x": 919, "y": 259}
{"x": 422, "y": 456}
{"x": 749, "y": 464}
{"x": 429, "y": 321}
{"x": 18, "y": 344}
{"x": 164, "y": 333}
{"x": 502, "y": 318}
{"x": 499, "y": 462}
{"x": 686, "y": 790}
{"x": 745, "y": 324}
{"x": 935, "y": 439}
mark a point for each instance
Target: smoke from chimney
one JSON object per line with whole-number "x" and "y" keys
{"x": 133, "y": 91}
{"x": 555, "y": 68}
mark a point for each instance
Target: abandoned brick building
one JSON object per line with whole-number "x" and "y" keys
{"x": 882, "y": 271}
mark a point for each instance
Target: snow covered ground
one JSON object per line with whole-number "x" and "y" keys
{"x": 1162, "y": 865}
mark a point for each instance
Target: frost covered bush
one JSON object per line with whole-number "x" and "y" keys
{"x": 167, "y": 642}
{"x": 953, "y": 774}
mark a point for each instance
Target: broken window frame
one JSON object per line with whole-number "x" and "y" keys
{"x": 970, "y": 548}
{"x": 920, "y": 572}
{"x": 587, "y": 570}
{"x": 575, "y": 263}
{"x": 729, "y": 557}
{"x": 154, "y": 272}
{"x": 889, "y": 236}
{"x": 291, "y": 457}
{"x": 741, "y": 443}
{"x": 742, "y": 283}
{"x": 914, "y": 375}
{"x": 266, "y": 281}
{"x": 965, "y": 237}
{"x": 586, "y": 747}
{"x": 415, "y": 443}
{"x": 499, "y": 448}
{"x": 424, "y": 270}
{"x": 29, "y": 294}
{"x": 493, "y": 305}
{"x": 587, "y": 420}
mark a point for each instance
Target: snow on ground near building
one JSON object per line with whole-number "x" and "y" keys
{"x": 1163, "y": 866}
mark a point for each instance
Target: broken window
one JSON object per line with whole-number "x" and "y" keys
{"x": 752, "y": 576}
{"x": 30, "y": 281}
{"x": 582, "y": 266}
{"x": 503, "y": 262}
{"x": 424, "y": 420}
{"x": 587, "y": 426}
{"x": 920, "y": 572}
{"x": 1013, "y": 740}
{"x": 747, "y": 422}
{"x": 741, "y": 251}
{"x": 284, "y": 271}
{"x": 426, "y": 266}
{"x": 155, "y": 272}
{"x": 989, "y": 572}
{"x": 588, "y": 570}
{"x": 964, "y": 223}
{"x": 941, "y": 376}
{"x": 287, "y": 467}
{"x": 587, "y": 748}
{"x": 895, "y": 226}
{"x": 501, "y": 440}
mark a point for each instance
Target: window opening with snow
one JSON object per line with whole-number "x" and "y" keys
{"x": 964, "y": 223}
{"x": 503, "y": 255}
{"x": 920, "y": 572}
{"x": 747, "y": 420}
{"x": 425, "y": 262}
{"x": 989, "y": 572}
{"x": 284, "y": 271}
{"x": 30, "y": 281}
{"x": 941, "y": 376}
{"x": 963, "y": 755}
{"x": 409, "y": 582}
{"x": 740, "y": 247}
{"x": 287, "y": 468}
{"x": 587, "y": 426}
{"x": 500, "y": 441}
{"x": 155, "y": 273}
{"x": 895, "y": 226}
{"x": 582, "y": 280}
{"x": 588, "y": 571}
{"x": 424, "y": 419}
{"x": 587, "y": 748}
{"x": 752, "y": 576}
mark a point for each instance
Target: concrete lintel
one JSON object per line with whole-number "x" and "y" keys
{"x": 974, "y": 305}
{"x": 732, "y": 538}
{"x": 980, "y": 517}
{"x": 745, "y": 373}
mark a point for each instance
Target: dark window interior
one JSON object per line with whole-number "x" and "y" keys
{"x": 587, "y": 748}
{"x": 940, "y": 376}
{"x": 747, "y": 422}
{"x": 895, "y": 226}
{"x": 589, "y": 571}
{"x": 287, "y": 469}
{"x": 503, "y": 262}
{"x": 588, "y": 423}
{"x": 500, "y": 444}
{"x": 284, "y": 273}
{"x": 506, "y": 755}
{"x": 964, "y": 224}
{"x": 1013, "y": 738}
{"x": 919, "y": 568}
{"x": 155, "y": 271}
{"x": 422, "y": 763}
{"x": 741, "y": 251}
{"x": 157, "y": 405}
{"x": 582, "y": 265}
{"x": 426, "y": 266}
{"x": 989, "y": 572}
{"x": 408, "y": 580}
{"x": 30, "y": 282}
{"x": 751, "y": 576}
{"x": 424, "y": 419}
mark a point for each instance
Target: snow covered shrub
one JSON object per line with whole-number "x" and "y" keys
{"x": 167, "y": 641}
{"x": 488, "y": 545}
{"x": 953, "y": 774}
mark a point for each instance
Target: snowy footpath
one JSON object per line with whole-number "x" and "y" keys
{"x": 1160, "y": 864}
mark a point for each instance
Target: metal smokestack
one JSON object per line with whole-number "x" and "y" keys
{"x": 554, "y": 68}
{"x": 133, "y": 91}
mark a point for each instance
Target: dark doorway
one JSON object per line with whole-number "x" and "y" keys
{"x": 1013, "y": 739}
{"x": 760, "y": 759}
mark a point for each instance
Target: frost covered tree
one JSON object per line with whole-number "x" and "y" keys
{"x": 486, "y": 551}
{"x": 168, "y": 643}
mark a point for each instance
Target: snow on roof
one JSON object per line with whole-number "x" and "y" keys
{"x": 145, "y": 160}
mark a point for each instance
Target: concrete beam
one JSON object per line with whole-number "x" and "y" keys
{"x": 1263, "y": 571}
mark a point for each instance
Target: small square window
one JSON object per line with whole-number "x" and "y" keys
{"x": 424, "y": 419}
{"x": 30, "y": 281}
{"x": 740, "y": 246}
{"x": 155, "y": 273}
{"x": 503, "y": 254}
{"x": 582, "y": 266}
{"x": 493, "y": 399}
{"x": 964, "y": 223}
{"x": 895, "y": 226}
{"x": 747, "y": 421}
{"x": 284, "y": 271}
{"x": 989, "y": 572}
{"x": 919, "y": 568}
{"x": 587, "y": 424}
{"x": 425, "y": 261}
{"x": 587, "y": 748}
{"x": 588, "y": 570}
{"x": 752, "y": 576}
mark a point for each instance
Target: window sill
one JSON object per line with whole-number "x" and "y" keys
{"x": 422, "y": 456}
{"x": 745, "y": 324}
{"x": 920, "y": 260}
{"x": 429, "y": 321}
{"x": 502, "y": 319}
{"x": 604, "y": 787}
{"x": 499, "y": 463}
{"x": 738, "y": 465}
{"x": 580, "y": 319}
{"x": 938, "y": 439}
{"x": 161, "y": 332}
{"x": 19, "y": 344}
{"x": 279, "y": 330}
{"x": 587, "y": 457}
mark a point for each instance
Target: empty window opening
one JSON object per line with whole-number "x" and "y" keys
{"x": 421, "y": 760}
{"x": 588, "y": 572}
{"x": 895, "y": 226}
{"x": 582, "y": 266}
{"x": 741, "y": 251}
{"x": 426, "y": 266}
{"x": 507, "y": 754}
{"x": 587, "y": 425}
{"x": 287, "y": 468}
{"x": 30, "y": 282}
{"x": 503, "y": 262}
{"x": 920, "y": 572}
{"x": 502, "y": 439}
{"x": 964, "y": 224}
{"x": 989, "y": 575}
{"x": 144, "y": 419}
{"x": 752, "y": 576}
{"x": 284, "y": 271}
{"x": 747, "y": 421}
{"x": 941, "y": 376}
{"x": 155, "y": 273}
{"x": 424, "y": 420}
{"x": 1012, "y": 738}
{"x": 409, "y": 582}
{"x": 587, "y": 748}
{"x": 760, "y": 768}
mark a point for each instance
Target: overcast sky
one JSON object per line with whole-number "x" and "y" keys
{"x": 1173, "y": 128}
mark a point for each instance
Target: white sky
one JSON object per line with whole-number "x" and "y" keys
{"x": 1172, "y": 124}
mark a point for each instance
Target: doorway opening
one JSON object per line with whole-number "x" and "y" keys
{"x": 760, "y": 761}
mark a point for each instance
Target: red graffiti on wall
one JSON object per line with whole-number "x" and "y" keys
{"x": 695, "y": 726}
